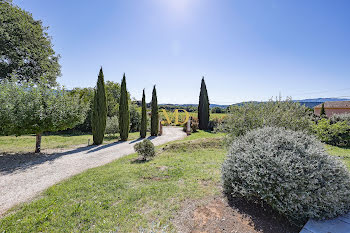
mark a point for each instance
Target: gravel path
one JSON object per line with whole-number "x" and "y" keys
{"x": 22, "y": 177}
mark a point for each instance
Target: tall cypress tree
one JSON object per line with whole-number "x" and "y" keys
{"x": 143, "y": 129}
{"x": 124, "y": 114}
{"x": 154, "y": 116}
{"x": 203, "y": 107}
{"x": 99, "y": 111}
{"x": 323, "y": 111}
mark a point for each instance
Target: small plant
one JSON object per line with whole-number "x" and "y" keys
{"x": 288, "y": 170}
{"x": 194, "y": 124}
{"x": 145, "y": 149}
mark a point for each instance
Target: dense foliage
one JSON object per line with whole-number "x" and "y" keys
{"x": 135, "y": 118}
{"x": 124, "y": 114}
{"x": 112, "y": 125}
{"x": 34, "y": 109}
{"x": 334, "y": 132}
{"x": 145, "y": 149}
{"x": 25, "y": 47}
{"x": 99, "y": 111}
{"x": 143, "y": 128}
{"x": 286, "y": 114}
{"x": 218, "y": 110}
{"x": 340, "y": 117}
{"x": 288, "y": 170}
{"x": 113, "y": 98}
{"x": 172, "y": 107}
{"x": 154, "y": 113}
{"x": 203, "y": 107}
{"x": 87, "y": 96}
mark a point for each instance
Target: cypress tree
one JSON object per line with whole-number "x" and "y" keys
{"x": 203, "y": 107}
{"x": 154, "y": 116}
{"x": 143, "y": 129}
{"x": 322, "y": 112}
{"x": 99, "y": 111}
{"x": 124, "y": 114}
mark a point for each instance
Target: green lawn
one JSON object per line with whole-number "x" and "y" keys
{"x": 343, "y": 153}
{"x": 203, "y": 134}
{"x": 26, "y": 143}
{"x": 125, "y": 196}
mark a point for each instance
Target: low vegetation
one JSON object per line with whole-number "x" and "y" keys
{"x": 145, "y": 149}
{"x": 288, "y": 170}
{"x": 280, "y": 113}
{"x": 334, "y": 131}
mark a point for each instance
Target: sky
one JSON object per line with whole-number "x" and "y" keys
{"x": 245, "y": 49}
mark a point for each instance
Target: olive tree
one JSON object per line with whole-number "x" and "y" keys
{"x": 34, "y": 109}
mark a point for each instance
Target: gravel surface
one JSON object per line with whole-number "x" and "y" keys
{"x": 22, "y": 177}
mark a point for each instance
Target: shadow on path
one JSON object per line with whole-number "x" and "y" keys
{"x": 11, "y": 162}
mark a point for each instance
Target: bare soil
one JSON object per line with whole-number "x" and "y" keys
{"x": 217, "y": 214}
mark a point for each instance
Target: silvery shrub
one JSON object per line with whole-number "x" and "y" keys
{"x": 340, "y": 118}
{"x": 288, "y": 170}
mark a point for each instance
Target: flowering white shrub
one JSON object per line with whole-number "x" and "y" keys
{"x": 288, "y": 170}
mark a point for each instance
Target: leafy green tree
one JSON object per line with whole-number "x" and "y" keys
{"x": 155, "y": 114}
{"x": 113, "y": 98}
{"x": 143, "y": 130}
{"x": 135, "y": 118}
{"x": 323, "y": 111}
{"x": 203, "y": 107}
{"x": 87, "y": 96}
{"x": 34, "y": 109}
{"x": 26, "y": 51}
{"x": 99, "y": 111}
{"x": 124, "y": 114}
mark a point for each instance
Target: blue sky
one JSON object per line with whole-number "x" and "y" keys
{"x": 246, "y": 49}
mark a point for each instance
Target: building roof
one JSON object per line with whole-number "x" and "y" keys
{"x": 335, "y": 104}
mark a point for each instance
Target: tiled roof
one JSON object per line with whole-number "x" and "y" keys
{"x": 335, "y": 104}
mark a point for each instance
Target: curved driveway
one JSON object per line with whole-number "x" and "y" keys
{"x": 25, "y": 180}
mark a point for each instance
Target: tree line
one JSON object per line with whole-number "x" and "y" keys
{"x": 99, "y": 112}
{"x": 32, "y": 102}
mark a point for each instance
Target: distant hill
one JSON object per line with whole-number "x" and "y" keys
{"x": 307, "y": 102}
{"x": 311, "y": 103}
{"x": 321, "y": 100}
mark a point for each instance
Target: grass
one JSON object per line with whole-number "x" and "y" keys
{"x": 342, "y": 152}
{"x": 26, "y": 143}
{"x": 124, "y": 196}
{"x": 203, "y": 134}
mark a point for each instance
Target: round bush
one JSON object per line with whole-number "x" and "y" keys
{"x": 288, "y": 170}
{"x": 145, "y": 149}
